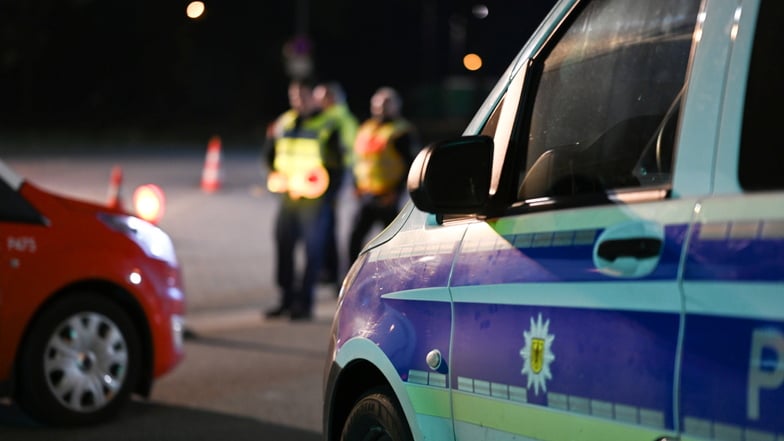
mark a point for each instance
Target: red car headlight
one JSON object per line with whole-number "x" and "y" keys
{"x": 153, "y": 240}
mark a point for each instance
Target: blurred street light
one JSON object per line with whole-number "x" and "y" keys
{"x": 472, "y": 62}
{"x": 195, "y": 10}
{"x": 480, "y": 11}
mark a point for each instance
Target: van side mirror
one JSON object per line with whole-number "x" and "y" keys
{"x": 452, "y": 177}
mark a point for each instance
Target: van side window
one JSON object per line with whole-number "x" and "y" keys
{"x": 761, "y": 151}
{"x": 605, "y": 105}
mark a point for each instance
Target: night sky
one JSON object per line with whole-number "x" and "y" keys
{"x": 103, "y": 64}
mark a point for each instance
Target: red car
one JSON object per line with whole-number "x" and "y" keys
{"x": 91, "y": 304}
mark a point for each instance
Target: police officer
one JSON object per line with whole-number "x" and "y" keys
{"x": 305, "y": 167}
{"x": 383, "y": 151}
{"x": 332, "y": 99}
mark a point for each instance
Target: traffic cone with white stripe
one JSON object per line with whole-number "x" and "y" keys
{"x": 115, "y": 188}
{"x": 211, "y": 175}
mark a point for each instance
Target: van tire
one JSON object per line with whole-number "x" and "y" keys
{"x": 376, "y": 416}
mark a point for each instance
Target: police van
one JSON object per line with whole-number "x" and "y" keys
{"x": 600, "y": 256}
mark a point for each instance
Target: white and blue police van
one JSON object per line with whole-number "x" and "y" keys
{"x": 600, "y": 256}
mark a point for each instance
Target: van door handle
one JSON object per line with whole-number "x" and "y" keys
{"x": 639, "y": 248}
{"x": 629, "y": 249}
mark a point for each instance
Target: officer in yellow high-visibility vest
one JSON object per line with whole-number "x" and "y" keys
{"x": 332, "y": 99}
{"x": 383, "y": 150}
{"x": 305, "y": 167}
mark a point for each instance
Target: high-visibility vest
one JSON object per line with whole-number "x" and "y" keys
{"x": 299, "y": 167}
{"x": 378, "y": 166}
{"x": 346, "y": 124}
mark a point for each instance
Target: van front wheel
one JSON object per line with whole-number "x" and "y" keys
{"x": 376, "y": 417}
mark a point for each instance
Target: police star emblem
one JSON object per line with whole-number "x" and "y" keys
{"x": 537, "y": 354}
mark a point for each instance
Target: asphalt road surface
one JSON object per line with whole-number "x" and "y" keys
{"x": 247, "y": 381}
{"x": 244, "y": 377}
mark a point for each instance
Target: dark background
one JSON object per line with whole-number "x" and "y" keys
{"x": 141, "y": 69}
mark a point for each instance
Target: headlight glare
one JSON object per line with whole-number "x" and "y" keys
{"x": 153, "y": 240}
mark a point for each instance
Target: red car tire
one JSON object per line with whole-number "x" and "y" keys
{"x": 80, "y": 361}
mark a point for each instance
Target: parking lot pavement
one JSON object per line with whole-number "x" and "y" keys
{"x": 211, "y": 320}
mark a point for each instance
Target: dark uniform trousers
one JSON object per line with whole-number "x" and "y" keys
{"x": 307, "y": 219}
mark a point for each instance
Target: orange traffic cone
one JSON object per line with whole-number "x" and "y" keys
{"x": 211, "y": 175}
{"x": 115, "y": 186}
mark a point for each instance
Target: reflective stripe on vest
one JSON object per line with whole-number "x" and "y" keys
{"x": 378, "y": 166}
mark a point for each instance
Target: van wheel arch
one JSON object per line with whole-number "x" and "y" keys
{"x": 356, "y": 379}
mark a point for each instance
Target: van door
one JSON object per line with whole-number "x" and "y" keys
{"x": 733, "y": 350}
{"x": 567, "y": 307}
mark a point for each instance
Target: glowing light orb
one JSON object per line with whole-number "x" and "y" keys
{"x": 149, "y": 202}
